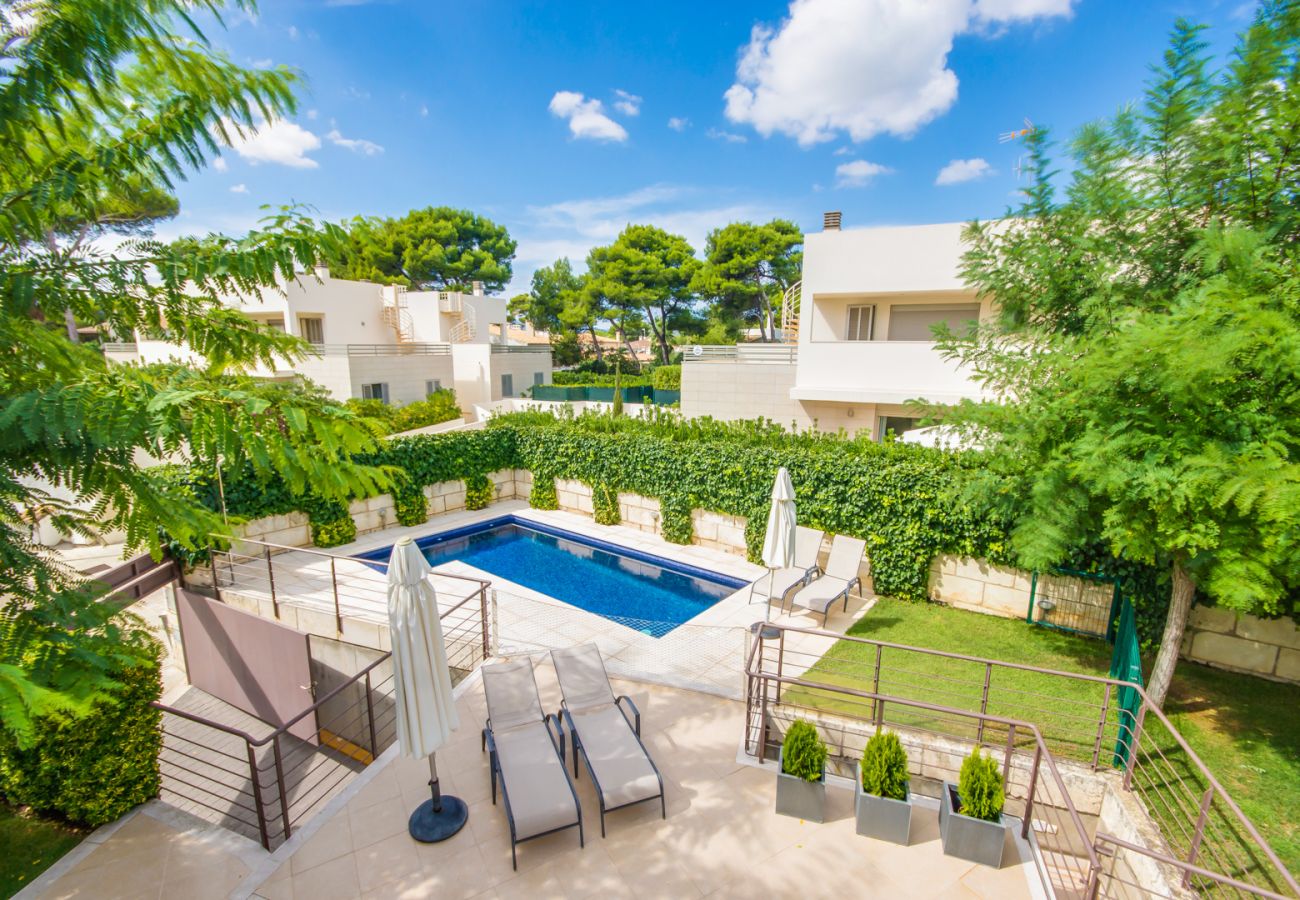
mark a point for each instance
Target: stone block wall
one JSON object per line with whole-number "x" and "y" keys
{"x": 290, "y": 529}
{"x": 1269, "y": 648}
{"x": 977, "y": 585}
{"x": 639, "y": 512}
{"x": 718, "y": 531}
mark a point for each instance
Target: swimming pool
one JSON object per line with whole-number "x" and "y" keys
{"x": 649, "y": 593}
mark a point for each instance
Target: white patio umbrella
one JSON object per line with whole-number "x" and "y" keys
{"x": 426, "y": 710}
{"x": 778, "y": 543}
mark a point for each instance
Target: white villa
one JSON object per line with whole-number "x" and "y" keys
{"x": 857, "y": 340}
{"x": 384, "y": 342}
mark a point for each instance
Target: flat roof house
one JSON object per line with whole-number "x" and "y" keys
{"x": 384, "y": 342}
{"x": 857, "y": 336}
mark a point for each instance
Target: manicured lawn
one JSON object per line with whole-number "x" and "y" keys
{"x": 30, "y": 846}
{"x": 1246, "y": 730}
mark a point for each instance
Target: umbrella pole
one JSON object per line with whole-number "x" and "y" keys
{"x": 439, "y": 817}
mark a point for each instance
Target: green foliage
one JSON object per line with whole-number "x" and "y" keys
{"x": 95, "y": 767}
{"x": 334, "y": 532}
{"x": 980, "y": 787}
{"x": 884, "y": 767}
{"x": 604, "y": 504}
{"x": 440, "y": 406}
{"x": 479, "y": 491}
{"x": 592, "y": 379}
{"x": 410, "y": 505}
{"x": 437, "y": 248}
{"x": 747, "y": 268}
{"x": 667, "y": 378}
{"x": 803, "y": 752}
{"x": 675, "y": 518}
{"x": 548, "y": 306}
{"x": 543, "y": 495}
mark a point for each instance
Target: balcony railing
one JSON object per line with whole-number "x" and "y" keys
{"x": 769, "y": 354}
{"x": 881, "y": 372}
{"x": 521, "y": 348}
{"x": 120, "y": 347}
{"x": 381, "y": 349}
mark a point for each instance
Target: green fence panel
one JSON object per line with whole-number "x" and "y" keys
{"x": 1126, "y": 665}
{"x": 558, "y": 392}
{"x": 666, "y": 398}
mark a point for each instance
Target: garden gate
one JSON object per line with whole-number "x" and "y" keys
{"x": 1079, "y": 602}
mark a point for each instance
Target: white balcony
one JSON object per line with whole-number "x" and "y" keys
{"x": 879, "y": 372}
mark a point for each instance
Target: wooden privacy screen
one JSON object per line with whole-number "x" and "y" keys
{"x": 252, "y": 663}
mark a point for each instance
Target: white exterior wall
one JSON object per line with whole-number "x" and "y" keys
{"x": 406, "y": 376}
{"x": 522, "y": 366}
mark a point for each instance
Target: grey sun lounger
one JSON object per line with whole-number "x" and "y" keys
{"x": 607, "y": 739}
{"x": 526, "y": 755}
{"x": 840, "y": 578}
{"x": 807, "y": 544}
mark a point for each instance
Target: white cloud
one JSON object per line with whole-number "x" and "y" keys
{"x": 312, "y": 115}
{"x": 263, "y": 63}
{"x": 862, "y": 67}
{"x": 293, "y": 32}
{"x": 627, "y": 104}
{"x": 960, "y": 170}
{"x": 586, "y": 117}
{"x": 730, "y": 137}
{"x": 239, "y": 189}
{"x": 220, "y": 164}
{"x": 843, "y": 151}
{"x": 282, "y": 142}
{"x": 858, "y": 173}
{"x": 356, "y": 145}
{"x": 424, "y": 110}
{"x": 679, "y": 123}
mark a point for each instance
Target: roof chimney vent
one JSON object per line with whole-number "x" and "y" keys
{"x": 831, "y": 221}
{"x": 477, "y": 288}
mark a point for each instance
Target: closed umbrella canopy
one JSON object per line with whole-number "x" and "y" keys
{"x": 426, "y": 709}
{"x": 778, "y": 543}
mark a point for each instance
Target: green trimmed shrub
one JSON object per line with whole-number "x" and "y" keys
{"x": 334, "y": 533}
{"x": 667, "y": 378}
{"x": 440, "y": 406}
{"x": 884, "y": 767}
{"x": 980, "y": 787}
{"x": 94, "y": 768}
{"x": 410, "y": 505}
{"x": 479, "y": 491}
{"x": 803, "y": 752}
{"x": 675, "y": 519}
{"x": 604, "y": 504}
{"x": 543, "y": 495}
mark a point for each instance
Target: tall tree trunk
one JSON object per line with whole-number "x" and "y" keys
{"x": 1180, "y": 606}
{"x": 595, "y": 341}
{"x": 71, "y": 322}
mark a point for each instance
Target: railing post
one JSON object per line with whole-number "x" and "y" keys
{"x": 1101, "y": 727}
{"x": 1006, "y": 760}
{"x": 258, "y": 804}
{"x": 494, "y": 637}
{"x": 216, "y": 580}
{"x": 1198, "y": 834}
{"x": 984, "y": 704}
{"x": 370, "y": 720}
{"x": 880, "y": 714}
{"x": 334, "y": 583}
{"x": 1134, "y": 738}
{"x": 762, "y": 711}
{"x": 1033, "y": 786}
{"x": 780, "y": 663}
{"x": 875, "y": 680}
{"x": 279, "y": 780}
{"x": 483, "y": 620}
{"x": 270, "y": 575}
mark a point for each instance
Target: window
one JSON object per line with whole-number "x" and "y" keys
{"x": 507, "y": 385}
{"x": 377, "y": 391}
{"x": 862, "y": 320}
{"x": 539, "y": 378}
{"x": 916, "y": 322}
{"x": 277, "y": 324}
{"x": 897, "y": 425}
{"x": 312, "y": 329}
{"x": 432, "y": 386}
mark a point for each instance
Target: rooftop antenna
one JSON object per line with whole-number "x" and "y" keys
{"x": 1007, "y": 137}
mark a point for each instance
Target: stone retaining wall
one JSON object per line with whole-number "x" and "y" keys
{"x": 1269, "y": 648}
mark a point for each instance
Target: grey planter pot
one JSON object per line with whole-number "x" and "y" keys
{"x": 976, "y": 840}
{"x": 798, "y": 798}
{"x": 882, "y": 818}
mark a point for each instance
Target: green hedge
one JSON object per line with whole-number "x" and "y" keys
{"x": 667, "y": 378}
{"x": 95, "y": 768}
{"x": 900, "y": 498}
{"x": 591, "y": 379}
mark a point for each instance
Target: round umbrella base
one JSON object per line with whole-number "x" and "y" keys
{"x": 430, "y": 827}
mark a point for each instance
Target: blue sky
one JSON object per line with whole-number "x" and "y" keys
{"x": 567, "y": 120}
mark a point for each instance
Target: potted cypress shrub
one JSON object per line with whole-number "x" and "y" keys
{"x": 801, "y": 783}
{"x": 970, "y": 812}
{"x": 882, "y": 800}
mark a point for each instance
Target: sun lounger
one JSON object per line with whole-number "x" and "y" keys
{"x": 527, "y": 756}
{"x": 841, "y": 577}
{"x": 607, "y": 739}
{"x": 807, "y": 544}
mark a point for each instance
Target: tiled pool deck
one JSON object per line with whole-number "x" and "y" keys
{"x": 721, "y": 838}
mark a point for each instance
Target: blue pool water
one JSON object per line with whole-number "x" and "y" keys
{"x": 648, "y": 593}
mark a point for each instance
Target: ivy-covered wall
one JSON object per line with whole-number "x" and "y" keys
{"x": 899, "y": 498}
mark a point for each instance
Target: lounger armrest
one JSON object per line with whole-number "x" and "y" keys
{"x": 557, "y": 735}
{"x": 636, "y": 713}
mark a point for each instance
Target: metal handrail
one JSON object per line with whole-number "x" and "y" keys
{"x": 1147, "y": 708}
{"x": 336, "y": 556}
{"x": 407, "y": 349}
{"x": 1190, "y": 868}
